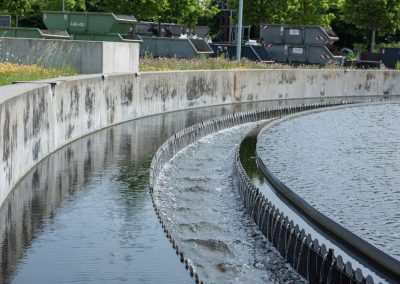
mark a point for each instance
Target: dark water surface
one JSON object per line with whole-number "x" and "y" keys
{"x": 346, "y": 163}
{"x": 84, "y": 215}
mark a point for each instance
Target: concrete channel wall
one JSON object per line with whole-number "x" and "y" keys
{"x": 38, "y": 118}
{"x": 87, "y": 57}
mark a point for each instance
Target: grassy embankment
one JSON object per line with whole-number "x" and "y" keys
{"x": 165, "y": 64}
{"x": 13, "y": 72}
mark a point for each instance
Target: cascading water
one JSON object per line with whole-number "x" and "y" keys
{"x": 204, "y": 214}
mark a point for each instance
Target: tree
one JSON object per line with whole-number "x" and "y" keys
{"x": 16, "y": 7}
{"x": 188, "y": 12}
{"x": 311, "y": 12}
{"x": 70, "y": 5}
{"x": 151, "y": 10}
{"x": 375, "y": 16}
{"x": 299, "y": 12}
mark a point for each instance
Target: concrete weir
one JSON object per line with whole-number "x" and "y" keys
{"x": 38, "y": 118}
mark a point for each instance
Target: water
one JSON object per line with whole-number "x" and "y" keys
{"x": 248, "y": 160}
{"x": 346, "y": 163}
{"x": 85, "y": 214}
{"x": 207, "y": 218}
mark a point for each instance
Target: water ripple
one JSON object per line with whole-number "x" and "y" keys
{"x": 346, "y": 163}
{"x": 207, "y": 219}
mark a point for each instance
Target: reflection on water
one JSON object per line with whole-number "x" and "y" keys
{"x": 346, "y": 163}
{"x": 248, "y": 159}
{"x": 85, "y": 214}
{"x": 207, "y": 218}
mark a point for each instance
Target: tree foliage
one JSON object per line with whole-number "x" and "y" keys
{"x": 381, "y": 16}
{"x": 300, "y": 12}
{"x": 351, "y": 18}
{"x": 181, "y": 11}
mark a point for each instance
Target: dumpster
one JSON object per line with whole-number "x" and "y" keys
{"x": 5, "y": 21}
{"x": 201, "y": 31}
{"x": 32, "y": 33}
{"x": 250, "y": 52}
{"x": 88, "y": 23}
{"x": 307, "y": 54}
{"x": 390, "y": 56}
{"x": 168, "y": 29}
{"x": 105, "y": 37}
{"x": 173, "y": 47}
{"x": 292, "y": 34}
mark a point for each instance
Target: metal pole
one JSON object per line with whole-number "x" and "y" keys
{"x": 63, "y": 5}
{"x": 239, "y": 32}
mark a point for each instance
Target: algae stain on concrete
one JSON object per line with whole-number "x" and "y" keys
{"x": 198, "y": 87}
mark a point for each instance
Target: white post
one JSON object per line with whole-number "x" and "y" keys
{"x": 63, "y": 5}
{"x": 239, "y": 32}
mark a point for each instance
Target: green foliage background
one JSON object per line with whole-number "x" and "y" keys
{"x": 352, "y": 20}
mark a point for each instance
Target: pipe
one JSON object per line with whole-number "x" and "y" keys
{"x": 239, "y": 32}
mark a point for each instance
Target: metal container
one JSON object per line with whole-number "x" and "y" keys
{"x": 32, "y": 33}
{"x": 105, "y": 37}
{"x": 174, "y": 47}
{"x": 168, "y": 29}
{"x": 322, "y": 55}
{"x": 390, "y": 56}
{"x": 5, "y": 21}
{"x": 291, "y": 34}
{"x": 201, "y": 31}
{"x": 251, "y": 52}
{"x": 88, "y": 23}
{"x": 284, "y": 53}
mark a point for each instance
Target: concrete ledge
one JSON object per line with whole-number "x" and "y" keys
{"x": 87, "y": 57}
{"x": 38, "y": 118}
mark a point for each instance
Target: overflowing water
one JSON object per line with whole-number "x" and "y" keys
{"x": 85, "y": 213}
{"x": 205, "y": 214}
{"x": 346, "y": 163}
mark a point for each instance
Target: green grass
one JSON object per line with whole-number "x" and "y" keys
{"x": 13, "y": 72}
{"x": 166, "y": 64}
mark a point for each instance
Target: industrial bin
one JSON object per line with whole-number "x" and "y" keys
{"x": 284, "y": 53}
{"x": 173, "y": 47}
{"x": 105, "y": 37}
{"x": 5, "y": 21}
{"x": 291, "y": 34}
{"x": 251, "y": 52}
{"x": 390, "y": 56}
{"x": 32, "y": 33}
{"x": 88, "y": 23}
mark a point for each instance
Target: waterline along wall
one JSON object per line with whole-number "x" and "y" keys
{"x": 38, "y": 118}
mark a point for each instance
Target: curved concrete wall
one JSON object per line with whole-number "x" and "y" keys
{"x": 38, "y": 118}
